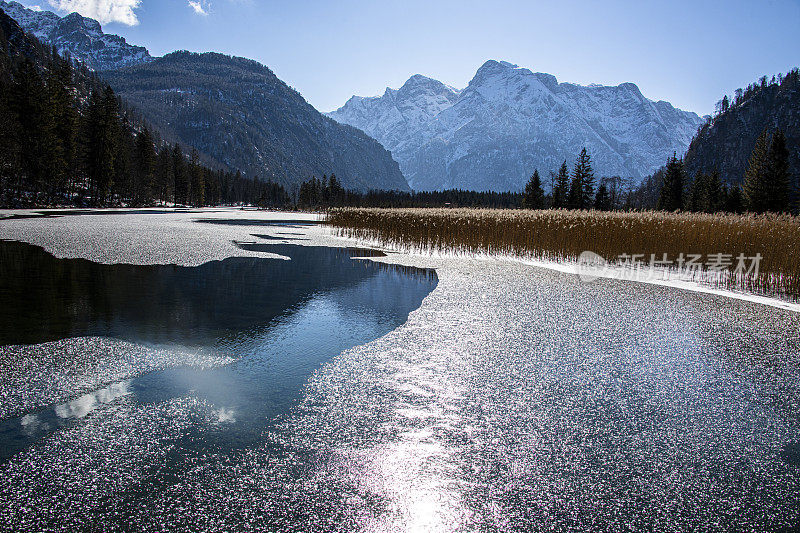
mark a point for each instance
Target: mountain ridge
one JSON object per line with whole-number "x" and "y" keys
{"x": 241, "y": 114}
{"x": 81, "y": 37}
{"x": 509, "y": 120}
{"x": 234, "y": 111}
{"x": 724, "y": 144}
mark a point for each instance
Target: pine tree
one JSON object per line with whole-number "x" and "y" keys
{"x": 197, "y": 180}
{"x": 336, "y": 194}
{"x": 755, "y": 190}
{"x": 182, "y": 177}
{"x": 64, "y": 122}
{"x": 584, "y": 166}
{"x": 324, "y": 190}
{"x": 777, "y": 182}
{"x": 316, "y": 192}
{"x": 698, "y": 196}
{"x": 602, "y": 201}
{"x": 575, "y": 196}
{"x": 28, "y": 104}
{"x": 9, "y": 138}
{"x": 303, "y": 195}
{"x": 716, "y": 194}
{"x": 101, "y": 138}
{"x": 581, "y": 193}
{"x": 165, "y": 175}
{"x": 534, "y": 194}
{"x": 211, "y": 192}
{"x": 144, "y": 160}
{"x": 561, "y": 188}
{"x": 123, "y": 186}
{"x": 671, "y": 195}
{"x": 735, "y": 200}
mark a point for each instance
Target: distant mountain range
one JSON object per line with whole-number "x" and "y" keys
{"x": 509, "y": 121}
{"x": 234, "y": 110}
{"x": 488, "y": 136}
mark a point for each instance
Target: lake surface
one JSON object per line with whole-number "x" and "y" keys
{"x": 281, "y": 319}
{"x": 512, "y": 398}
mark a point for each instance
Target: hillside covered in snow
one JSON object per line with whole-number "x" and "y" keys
{"x": 509, "y": 121}
{"x": 79, "y": 36}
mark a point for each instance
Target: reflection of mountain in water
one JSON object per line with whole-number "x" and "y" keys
{"x": 45, "y": 298}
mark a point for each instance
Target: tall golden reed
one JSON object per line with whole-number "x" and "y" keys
{"x": 563, "y": 235}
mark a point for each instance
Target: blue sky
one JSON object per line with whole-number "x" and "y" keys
{"x": 689, "y": 53}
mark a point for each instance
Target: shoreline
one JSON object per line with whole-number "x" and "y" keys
{"x": 573, "y": 267}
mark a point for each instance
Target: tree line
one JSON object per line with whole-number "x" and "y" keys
{"x": 576, "y": 189}
{"x": 766, "y": 186}
{"x": 67, "y": 139}
{"x": 328, "y": 192}
{"x": 741, "y": 95}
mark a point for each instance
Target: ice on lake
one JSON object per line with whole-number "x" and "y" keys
{"x": 509, "y": 398}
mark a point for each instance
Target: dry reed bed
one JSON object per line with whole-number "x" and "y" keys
{"x": 562, "y": 235}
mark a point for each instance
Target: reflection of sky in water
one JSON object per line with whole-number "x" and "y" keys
{"x": 225, "y": 416}
{"x": 32, "y": 424}
{"x": 336, "y": 303}
{"x": 276, "y": 360}
{"x": 80, "y": 407}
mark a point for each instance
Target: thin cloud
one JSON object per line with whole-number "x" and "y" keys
{"x": 198, "y": 7}
{"x": 104, "y": 11}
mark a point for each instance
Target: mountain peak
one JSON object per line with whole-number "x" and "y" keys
{"x": 493, "y": 67}
{"x": 496, "y": 70}
{"x": 510, "y": 120}
{"x": 418, "y": 79}
{"x": 630, "y": 86}
{"x": 80, "y": 36}
{"x": 418, "y": 82}
{"x": 76, "y": 19}
{"x": 493, "y": 64}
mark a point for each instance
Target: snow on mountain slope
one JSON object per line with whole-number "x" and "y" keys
{"x": 82, "y": 37}
{"x": 400, "y": 117}
{"x": 509, "y": 121}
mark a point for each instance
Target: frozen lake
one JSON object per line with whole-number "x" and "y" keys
{"x": 238, "y": 370}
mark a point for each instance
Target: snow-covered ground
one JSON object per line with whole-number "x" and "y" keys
{"x": 515, "y": 398}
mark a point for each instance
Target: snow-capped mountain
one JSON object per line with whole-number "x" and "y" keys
{"x": 80, "y": 36}
{"x": 509, "y": 121}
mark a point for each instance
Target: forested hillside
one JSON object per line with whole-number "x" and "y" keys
{"x": 237, "y": 111}
{"x": 67, "y": 139}
{"x": 744, "y": 158}
{"x": 725, "y": 143}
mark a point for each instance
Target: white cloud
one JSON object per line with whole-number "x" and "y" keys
{"x": 199, "y": 7}
{"x": 103, "y": 11}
